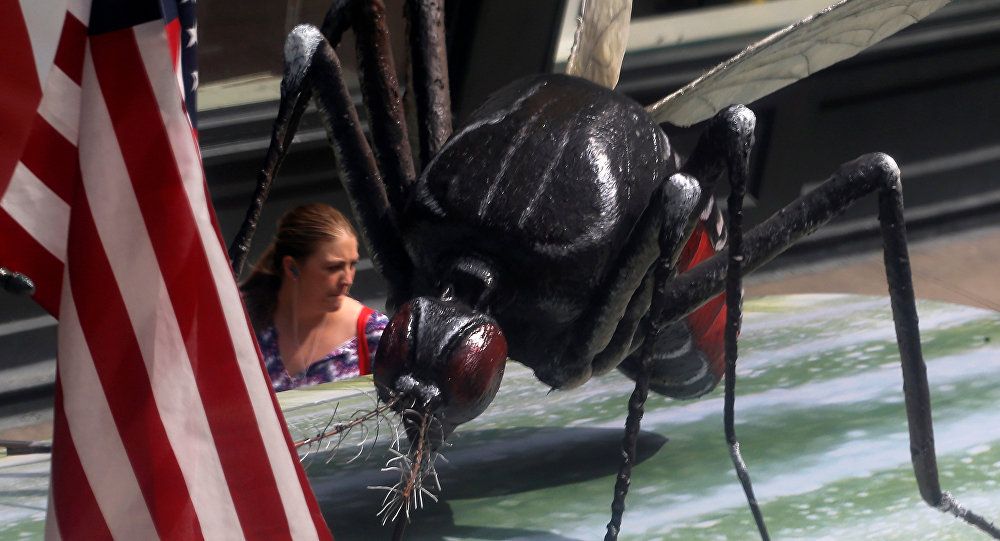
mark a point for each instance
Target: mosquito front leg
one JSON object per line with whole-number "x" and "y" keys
{"x": 296, "y": 91}
{"x": 359, "y": 173}
{"x": 430, "y": 75}
{"x": 16, "y": 283}
{"x": 383, "y": 100}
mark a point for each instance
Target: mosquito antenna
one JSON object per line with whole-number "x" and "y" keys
{"x": 343, "y": 427}
{"x": 416, "y": 473}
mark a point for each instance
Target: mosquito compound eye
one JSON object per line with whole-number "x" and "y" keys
{"x": 442, "y": 357}
{"x": 472, "y": 375}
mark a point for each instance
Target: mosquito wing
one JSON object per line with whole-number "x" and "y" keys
{"x": 796, "y": 52}
{"x": 600, "y": 40}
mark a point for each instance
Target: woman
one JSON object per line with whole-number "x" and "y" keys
{"x": 309, "y": 330}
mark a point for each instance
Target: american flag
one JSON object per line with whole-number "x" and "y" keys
{"x": 165, "y": 425}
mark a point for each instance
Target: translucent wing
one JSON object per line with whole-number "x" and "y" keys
{"x": 820, "y": 40}
{"x": 600, "y": 41}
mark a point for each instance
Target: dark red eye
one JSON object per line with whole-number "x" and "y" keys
{"x": 474, "y": 372}
{"x": 443, "y": 356}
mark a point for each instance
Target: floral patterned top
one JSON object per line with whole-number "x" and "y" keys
{"x": 341, "y": 363}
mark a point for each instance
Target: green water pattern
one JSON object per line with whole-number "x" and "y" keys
{"x": 819, "y": 413}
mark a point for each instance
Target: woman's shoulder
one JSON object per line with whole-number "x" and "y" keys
{"x": 351, "y": 308}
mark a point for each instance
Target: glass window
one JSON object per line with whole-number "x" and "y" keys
{"x": 240, "y": 46}
{"x": 658, "y": 24}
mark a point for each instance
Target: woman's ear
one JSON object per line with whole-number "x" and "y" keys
{"x": 289, "y": 267}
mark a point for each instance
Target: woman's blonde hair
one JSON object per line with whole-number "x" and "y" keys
{"x": 300, "y": 231}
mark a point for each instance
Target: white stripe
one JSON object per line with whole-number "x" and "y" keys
{"x": 94, "y": 433}
{"x": 80, "y": 9}
{"x": 272, "y": 427}
{"x": 44, "y": 30}
{"x": 42, "y": 213}
{"x": 51, "y": 524}
{"x": 133, "y": 262}
{"x": 177, "y": 67}
{"x": 60, "y": 105}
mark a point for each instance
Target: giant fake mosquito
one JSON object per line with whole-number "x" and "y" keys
{"x": 555, "y": 226}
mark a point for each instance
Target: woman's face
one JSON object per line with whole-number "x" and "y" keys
{"x": 325, "y": 277}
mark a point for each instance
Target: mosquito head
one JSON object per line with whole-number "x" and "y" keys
{"x": 441, "y": 357}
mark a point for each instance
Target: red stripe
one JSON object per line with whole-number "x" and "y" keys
{"x": 69, "y": 54}
{"x": 173, "y": 29}
{"x": 118, "y": 361}
{"x": 18, "y": 86}
{"x": 52, "y": 159}
{"x": 20, "y": 252}
{"x": 184, "y": 265}
{"x": 76, "y": 509}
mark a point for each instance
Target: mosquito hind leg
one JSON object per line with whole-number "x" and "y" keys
{"x": 853, "y": 180}
{"x": 915, "y": 385}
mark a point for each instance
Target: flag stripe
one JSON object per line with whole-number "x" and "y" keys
{"x": 105, "y": 206}
{"x": 51, "y": 158}
{"x": 274, "y": 434}
{"x": 51, "y": 526}
{"x": 95, "y": 435}
{"x": 86, "y": 514}
{"x": 182, "y": 260}
{"x": 20, "y": 252}
{"x": 42, "y": 213}
{"x": 137, "y": 272}
{"x": 173, "y": 30}
{"x": 61, "y": 105}
{"x": 69, "y": 54}
{"x": 19, "y": 87}
{"x": 114, "y": 349}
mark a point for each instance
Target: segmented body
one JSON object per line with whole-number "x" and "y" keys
{"x": 553, "y": 207}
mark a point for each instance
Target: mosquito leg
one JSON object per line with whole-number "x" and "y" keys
{"x": 766, "y": 241}
{"x": 296, "y": 90}
{"x": 430, "y": 74}
{"x": 294, "y": 100}
{"x": 383, "y": 100}
{"x": 915, "y": 386}
{"x": 336, "y": 21}
{"x": 678, "y": 199}
{"x": 869, "y": 173}
{"x": 723, "y": 151}
{"x": 16, "y": 283}
{"x": 360, "y": 175}
{"x": 739, "y": 161}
